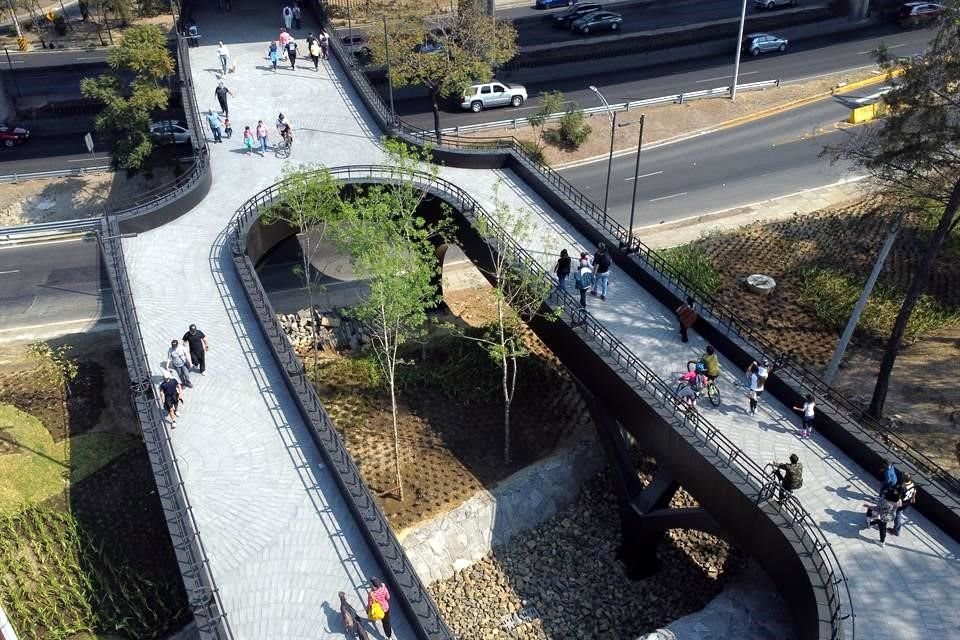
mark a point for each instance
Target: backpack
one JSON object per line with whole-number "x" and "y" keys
{"x": 584, "y": 280}
{"x": 794, "y": 479}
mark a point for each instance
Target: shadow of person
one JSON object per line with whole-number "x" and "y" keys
{"x": 847, "y": 523}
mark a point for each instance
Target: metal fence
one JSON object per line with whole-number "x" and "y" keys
{"x": 658, "y": 393}
{"x": 60, "y": 173}
{"x": 679, "y": 98}
{"x": 188, "y": 547}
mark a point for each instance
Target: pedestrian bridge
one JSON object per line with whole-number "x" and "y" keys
{"x": 268, "y": 515}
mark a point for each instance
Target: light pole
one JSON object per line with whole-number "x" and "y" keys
{"x": 736, "y": 59}
{"x": 636, "y": 175}
{"x": 613, "y": 125}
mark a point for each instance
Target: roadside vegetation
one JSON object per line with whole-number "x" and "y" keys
{"x": 84, "y": 550}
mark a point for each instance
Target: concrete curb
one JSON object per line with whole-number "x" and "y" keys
{"x": 733, "y": 122}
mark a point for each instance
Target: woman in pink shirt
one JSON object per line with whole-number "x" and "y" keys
{"x": 284, "y": 38}
{"x": 381, "y": 596}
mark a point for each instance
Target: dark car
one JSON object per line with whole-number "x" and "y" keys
{"x": 757, "y": 43}
{"x": 11, "y": 136}
{"x": 566, "y": 18}
{"x": 917, "y": 14}
{"x": 550, "y": 4}
{"x": 597, "y": 21}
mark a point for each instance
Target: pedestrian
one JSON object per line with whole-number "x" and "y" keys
{"x": 325, "y": 45}
{"x": 908, "y": 496}
{"x": 753, "y": 382}
{"x": 262, "y": 137}
{"x": 292, "y": 53}
{"x": 297, "y": 13}
{"x": 601, "y": 271}
{"x": 196, "y": 340}
{"x": 178, "y": 359}
{"x": 224, "y": 57}
{"x": 890, "y": 476}
{"x": 380, "y": 597}
{"x": 790, "y": 476}
{"x": 350, "y": 619}
{"x": 227, "y": 128}
{"x": 562, "y": 268}
{"x": 583, "y": 281}
{"x": 287, "y": 15}
{"x": 222, "y": 92}
{"x": 172, "y": 393}
{"x": 687, "y": 317}
{"x": 887, "y": 505}
{"x": 315, "y": 54}
{"x": 273, "y": 54}
{"x": 807, "y": 410}
{"x": 248, "y": 140}
{"x": 193, "y": 33}
{"x": 214, "y": 121}
{"x": 311, "y": 39}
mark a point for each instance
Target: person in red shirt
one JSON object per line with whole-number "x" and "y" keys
{"x": 687, "y": 317}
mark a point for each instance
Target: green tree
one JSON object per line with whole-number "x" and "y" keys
{"x": 125, "y": 120}
{"x": 519, "y": 295}
{"x": 551, "y": 102}
{"x": 391, "y": 248}
{"x": 915, "y": 153}
{"x": 54, "y": 365}
{"x": 310, "y": 203}
{"x": 465, "y": 47}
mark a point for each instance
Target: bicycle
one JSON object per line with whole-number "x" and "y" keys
{"x": 285, "y": 148}
{"x": 712, "y": 390}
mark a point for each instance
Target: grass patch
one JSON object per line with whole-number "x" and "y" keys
{"x": 832, "y": 295}
{"x": 694, "y": 265}
{"x": 56, "y": 582}
{"x": 36, "y": 468}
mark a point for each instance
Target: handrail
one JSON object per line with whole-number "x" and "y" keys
{"x": 202, "y": 592}
{"x": 844, "y": 409}
{"x": 655, "y": 390}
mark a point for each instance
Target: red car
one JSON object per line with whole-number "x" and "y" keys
{"x": 11, "y": 136}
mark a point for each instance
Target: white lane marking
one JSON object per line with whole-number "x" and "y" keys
{"x": 2, "y": 273}
{"x": 726, "y": 77}
{"x": 59, "y": 323}
{"x": 892, "y": 46}
{"x": 675, "y": 195}
{"x": 646, "y": 175}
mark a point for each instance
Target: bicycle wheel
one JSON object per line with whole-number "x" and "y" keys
{"x": 713, "y": 392}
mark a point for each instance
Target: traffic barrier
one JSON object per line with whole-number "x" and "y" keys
{"x": 867, "y": 113}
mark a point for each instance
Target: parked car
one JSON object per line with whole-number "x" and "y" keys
{"x": 12, "y": 135}
{"x": 356, "y": 44}
{"x": 493, "y": 94}
{"x": 773, "y": 4}
{"x": 169, "y": 132}
{"x": 757, "y": 43}
{"x": 565, "y": 18}
{"x": 916, "y": 14}
{"x": 597, "y": 21}
{"x": 550, "y": 4}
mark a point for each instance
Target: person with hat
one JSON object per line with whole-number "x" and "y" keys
{"x": 196, "y": 340}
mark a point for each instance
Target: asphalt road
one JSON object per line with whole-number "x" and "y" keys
{"x": 767, "y": 158}
{"x": 805, "y": 59}
{"x": 46, "y": 153}
{"x": 52, "y": 58}
{"x": 49, "y": 286}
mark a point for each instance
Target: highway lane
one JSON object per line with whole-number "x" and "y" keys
{"x": 53, "y": 58}
{"x": 46, "y": 153}
{"x": 741, "y": 165}
{"x": 803, "y": 60}
{"x": 49, "y": 286}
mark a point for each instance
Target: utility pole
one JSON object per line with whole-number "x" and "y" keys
{"x": 736, "y": 59}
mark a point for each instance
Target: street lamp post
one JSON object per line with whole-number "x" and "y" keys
{"x": 736, "y": 59}
{"x": 636, "y": 176}
{"x": 613, "y": 125}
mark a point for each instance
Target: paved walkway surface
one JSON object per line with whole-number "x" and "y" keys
{"x": 280, "y": 539}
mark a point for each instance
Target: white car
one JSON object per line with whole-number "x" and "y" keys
{"x": 493, "y": 94}
{"x": 169, "y": 132}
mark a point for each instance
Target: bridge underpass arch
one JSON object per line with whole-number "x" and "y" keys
{"x": 784, "y": 539}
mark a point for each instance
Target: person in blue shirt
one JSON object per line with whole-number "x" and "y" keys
{"x": 213, "y": 119}
{"x": 889, "y": 476}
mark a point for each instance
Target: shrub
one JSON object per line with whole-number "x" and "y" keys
{"x": 694, "y": 266}
{"x": 833, "y": 295}
{"x": 534, "y": 150}
{"x": 573, "y": 130}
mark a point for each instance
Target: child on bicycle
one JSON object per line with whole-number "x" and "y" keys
{"x": 710, "y": 362}
{"x": 696, "y": 381}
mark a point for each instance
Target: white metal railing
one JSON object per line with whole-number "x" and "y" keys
{"x": 50, "y": 228}
{"x": 76, "y": 171}
{"x": 622, "y": 106}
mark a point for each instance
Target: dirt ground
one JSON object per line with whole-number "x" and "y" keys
{"x": 924, "y": 408}
{"x": 668, "y": 121}
{"x": 85, "y": 196}
{"x": 80, "y": 34}
{"x": 451, "y": 418}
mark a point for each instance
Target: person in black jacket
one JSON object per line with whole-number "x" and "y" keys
{"x": 601, "y": 271}
{"x": 196, "y": 342}
{"x": 562, "y": 269}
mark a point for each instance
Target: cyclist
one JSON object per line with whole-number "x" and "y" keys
{"x": 696, "y": 381}
{"x": 286, "y": 132}
{"x": 710, "y": 362}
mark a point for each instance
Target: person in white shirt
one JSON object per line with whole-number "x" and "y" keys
{"x": 178, "y": 359}
{"x": 755, "y": 388}
{"x": 808, "y": 410}
{"x": 224, "y": 55}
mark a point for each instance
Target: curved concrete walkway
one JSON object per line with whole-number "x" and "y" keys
{"x": 280, "y": 538}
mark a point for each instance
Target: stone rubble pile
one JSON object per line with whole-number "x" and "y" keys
{"x": 331, "y": 330}
{"x": 563, "y": 579}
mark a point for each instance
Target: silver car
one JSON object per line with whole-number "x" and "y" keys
{"x": 757, "y": 43}
{"x": 772, "y": 4}
{"x": 169, "y": 132}
{"x": 493, "y": 94}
